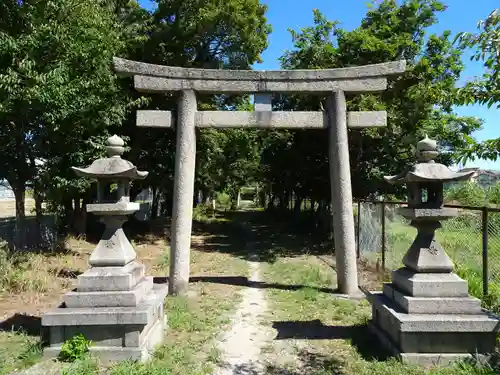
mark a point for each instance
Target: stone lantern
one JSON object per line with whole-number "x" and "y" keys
{"x": 426, "y": 315}
{"x": 114, "y": 305}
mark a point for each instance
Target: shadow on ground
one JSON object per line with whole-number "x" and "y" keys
{"x": 243, "y": 281}
{"x": 269, "y": 236}
{"x": 360, "y": 336}
{"x": 27, "y": 324}
{"x": 310, "y": 363}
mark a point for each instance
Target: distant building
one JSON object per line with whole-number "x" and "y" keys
{"x": 6, "y": 191}
{"x": 483, "y": 177}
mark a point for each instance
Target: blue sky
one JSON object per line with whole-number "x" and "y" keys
{"x": 461, "y": 15}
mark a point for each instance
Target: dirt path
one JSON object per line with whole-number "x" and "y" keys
{"x": 241, "y": 347}
{"x": 248, "y": 348}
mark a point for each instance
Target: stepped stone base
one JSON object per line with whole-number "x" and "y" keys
{"x": 423, "y": 359}
{"x": 119, "y": 310}
{"x": 113, "y": 353}
{"x": 425, "y": 328}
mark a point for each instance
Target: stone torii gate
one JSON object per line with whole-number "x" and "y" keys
{"x": 335, "y": 83}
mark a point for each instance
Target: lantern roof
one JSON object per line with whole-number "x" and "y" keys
{"x": 426, "y": 169}
{"x": 112, "y": 167}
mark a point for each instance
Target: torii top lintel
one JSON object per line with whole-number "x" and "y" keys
{"x": 159, "y": 78}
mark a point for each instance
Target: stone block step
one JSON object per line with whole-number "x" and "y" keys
{"x": 423, "y": 359}
{"x": 387, "y": 310}
{"x": 429, "y": 284}
{"x": 150, "y": 307}
{"x": 121, "y": 351}
{"x": 126, "y": 298}
{"x": 104, "y": 279}
{"x": 435, "y": 333}
{"x": 432, "y": 305}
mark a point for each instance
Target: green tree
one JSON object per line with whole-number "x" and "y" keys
{"x": 485, "y": 89}
{"x": 207, "y": 34}
{"x": 467, "y": 193}
{"x": 419, "y": 102}
{"x": 58, "y": 92}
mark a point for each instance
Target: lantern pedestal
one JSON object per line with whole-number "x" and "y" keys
{"x": 115, "y": 305}
{"x": 429, "y": 319}
{"x": 426, "y": 315}
{"x": 118, "y": 333}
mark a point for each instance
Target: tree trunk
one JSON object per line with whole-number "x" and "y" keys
{"x": 298, "y": 204}
{"x": 37, "y": 195}
{"x": 262, "y": 198}
{"x": 282, "y": 201}
{"x": 319, "y": 213}
{"x": 233, "y": 201}
{"x": 19, "y": 189}
{"x": 68, "y": 213}
{"x": 168, "y": 204}
{"x": 154, "y": 204}
{"x": 79, "y": 217}
{"x": 238, "y": 200}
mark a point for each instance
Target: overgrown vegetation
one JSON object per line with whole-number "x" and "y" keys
{"x": 473, "y": 194}
{"x": 18, "y": 272}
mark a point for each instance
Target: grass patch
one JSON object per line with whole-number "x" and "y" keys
{"x": 332, "y": 332}
{"x": 19, "y": 272}
{"x": 193, "y": 325}
{"x": 195, "y": 321}
{"x": 83, "y": 366}
{"x": 18, "y": 351}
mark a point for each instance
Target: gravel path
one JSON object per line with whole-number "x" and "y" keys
{"x": 241, "y": 346}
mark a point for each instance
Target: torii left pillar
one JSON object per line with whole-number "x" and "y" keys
{"x": 182, "y": 212}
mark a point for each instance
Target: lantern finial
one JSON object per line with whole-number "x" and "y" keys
{"x": 115, "y": 146}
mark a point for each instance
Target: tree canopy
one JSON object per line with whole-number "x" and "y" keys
{"x": 485, "y": 89}
{"x": 59, "y": 97}
{"x": 418, "y": 103}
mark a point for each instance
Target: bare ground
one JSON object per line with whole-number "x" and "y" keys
{"x": 48, "y": 276}
{"x": 8, "y": 207}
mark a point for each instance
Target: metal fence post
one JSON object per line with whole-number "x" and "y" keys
{"x": 383, "y": 236}
{"x": 358, "y": 240}
{"x": 485, "y": 249}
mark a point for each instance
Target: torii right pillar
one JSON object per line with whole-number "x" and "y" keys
{"x": 341, "y": 196}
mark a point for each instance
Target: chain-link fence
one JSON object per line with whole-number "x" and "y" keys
{"x": 472, "y": 240}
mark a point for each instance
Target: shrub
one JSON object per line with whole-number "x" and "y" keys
{"x": 202, "y": 212}
{"x": 468, "y": 194}
{"x": 75, "y": 348}
{"x": 223, "y": 199}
